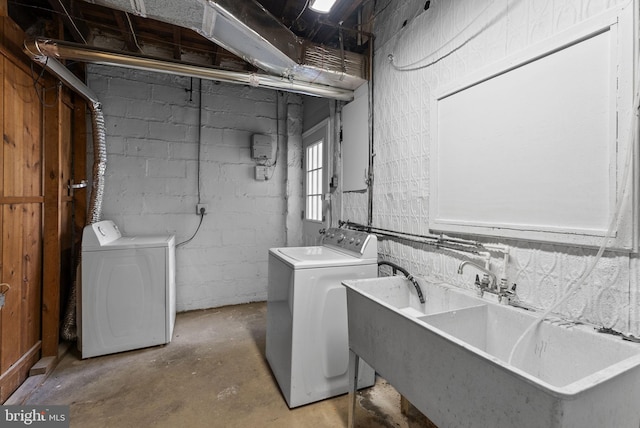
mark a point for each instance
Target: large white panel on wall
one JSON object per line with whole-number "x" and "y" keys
{"x": 535, "y": 146}
{"x": 355, "y": 141}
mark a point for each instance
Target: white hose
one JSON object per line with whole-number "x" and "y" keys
{"x": 612, "y": 226}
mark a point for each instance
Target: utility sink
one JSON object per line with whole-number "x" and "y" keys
{"x": 450, "y": 358}
{"x": 398, "y": 293}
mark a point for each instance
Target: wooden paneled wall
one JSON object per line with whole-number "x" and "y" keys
{"x": 21, "y": 199}
{"x": 41, "y": 124}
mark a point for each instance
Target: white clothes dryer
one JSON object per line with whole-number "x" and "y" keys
{"x": 126, "y": 299}
{"x": 307, "y": 342}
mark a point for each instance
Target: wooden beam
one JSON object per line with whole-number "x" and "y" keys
{"x": 79, "y": 168}
{"x": 14, "y": 376}
{"x": 126, "y": 30}
{"x": 216, "y": 57}
{"x": 73, "y": 19}
{"x": 8, "y": 200}
{"x": 177, "y": 43}
{"x": 52, "y": 223}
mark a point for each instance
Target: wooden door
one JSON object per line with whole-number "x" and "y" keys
{"x": 21, "y": 211}
{"x": 43, "y": 148}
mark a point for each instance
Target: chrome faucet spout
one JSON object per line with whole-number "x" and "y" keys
{"x": 491, "y": 284}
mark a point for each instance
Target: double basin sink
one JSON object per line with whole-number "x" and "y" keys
{"x": 452, "y": 358}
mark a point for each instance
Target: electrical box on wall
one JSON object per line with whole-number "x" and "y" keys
{"x": 262, "y": 173}
{"x": 261, "y": 147}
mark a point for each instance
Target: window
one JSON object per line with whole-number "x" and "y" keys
{"x": 314, "y": 181}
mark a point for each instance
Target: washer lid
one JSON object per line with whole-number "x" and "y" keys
{"x": 104, "y": 235}
{"x": 143, "y": 241}
{"x": 100, "y": 233}
{"x": 316, "y": 257}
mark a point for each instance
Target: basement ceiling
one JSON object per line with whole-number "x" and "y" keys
{"x": 344, "y": 31}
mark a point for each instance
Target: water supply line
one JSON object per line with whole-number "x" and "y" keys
{"x": 410, "y": 277}
{"x": 436, "y": 241}
{"x": 68, "y": 329}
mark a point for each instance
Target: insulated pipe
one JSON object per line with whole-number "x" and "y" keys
{"x": 69, "y": 330}
{"x": 99, "y": 163}
{"x": 77, "y": 52}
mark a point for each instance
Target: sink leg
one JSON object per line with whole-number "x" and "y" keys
{"x": 354, "y": 361}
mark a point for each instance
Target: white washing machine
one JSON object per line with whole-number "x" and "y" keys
{"x": 307, "y": 338}
{"x": 126, "y": 299}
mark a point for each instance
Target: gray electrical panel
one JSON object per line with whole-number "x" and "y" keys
{"x": 261, "y": 147}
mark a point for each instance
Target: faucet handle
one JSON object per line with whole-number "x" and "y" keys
{"x": 486, "y": 282}
{"x": 480, "y": 286}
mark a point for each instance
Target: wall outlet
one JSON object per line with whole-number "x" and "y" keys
{"x": 262, "y": 173}
{"x": 200, "y": 207}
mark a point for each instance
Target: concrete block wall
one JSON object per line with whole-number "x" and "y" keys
{"x": 151, "y": 184}
{"x": 439, "y": 41}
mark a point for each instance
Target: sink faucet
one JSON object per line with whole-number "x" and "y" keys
{"x": 489, "y": 282}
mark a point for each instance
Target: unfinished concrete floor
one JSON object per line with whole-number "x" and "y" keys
{"x": 213, "y": 374}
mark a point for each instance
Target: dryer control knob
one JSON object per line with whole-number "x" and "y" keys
{"x": 341, "y": 237}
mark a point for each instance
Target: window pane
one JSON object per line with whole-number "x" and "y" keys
{"x": 313, "y": 208}
{"x": 314, "y": 180}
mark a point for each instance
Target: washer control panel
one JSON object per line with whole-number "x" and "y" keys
{"x": 352, "y": 240}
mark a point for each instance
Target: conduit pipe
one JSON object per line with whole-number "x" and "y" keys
{"x": 60, "y": 49}
{"x": 68, "y": 330}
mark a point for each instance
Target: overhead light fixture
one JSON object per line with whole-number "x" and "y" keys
{"x": 322, "y": 6}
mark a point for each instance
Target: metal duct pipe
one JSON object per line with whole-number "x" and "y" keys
{"x": 99, "y": 164}
{"x": 68, "y": 330}
{"x": 77, "y": 52}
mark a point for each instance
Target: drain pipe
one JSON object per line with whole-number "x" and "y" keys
{"x": 68, "y": 330}
{"x": 410, "y": 277}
